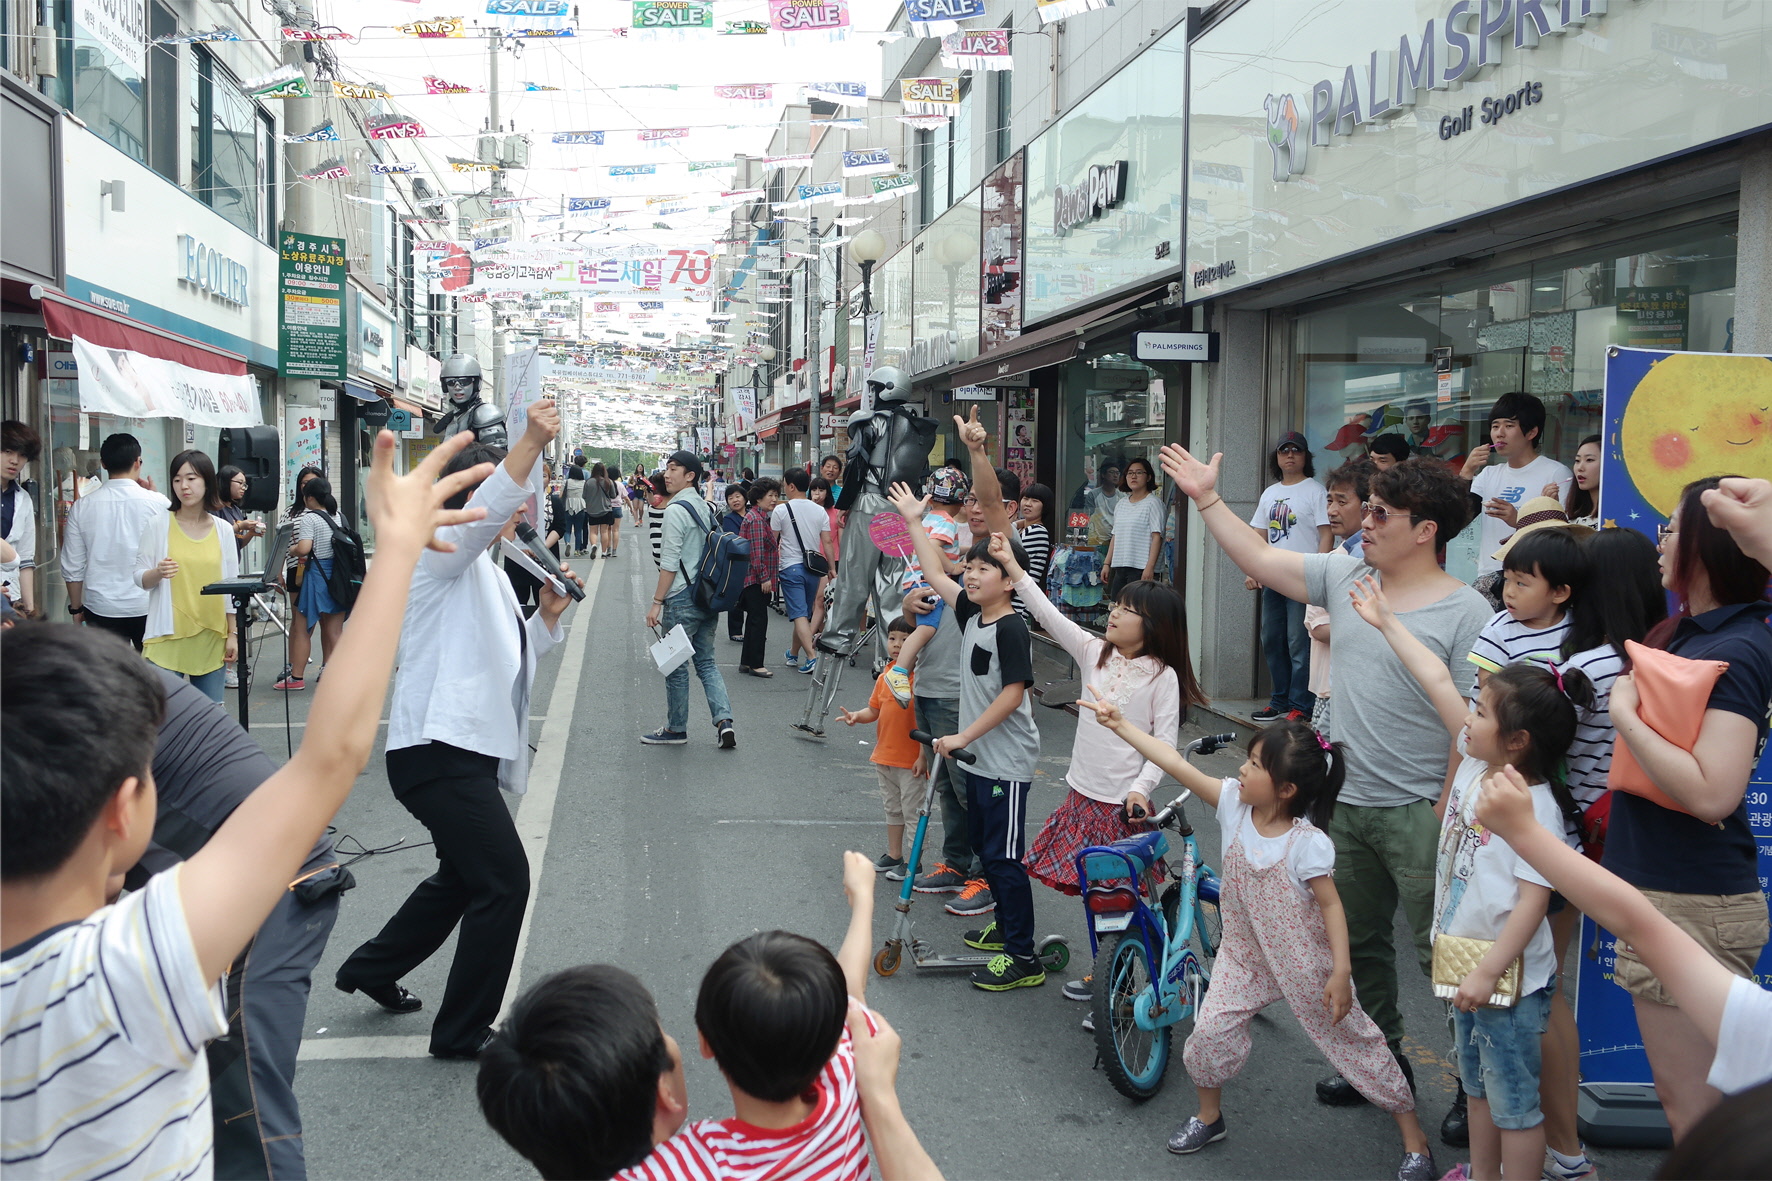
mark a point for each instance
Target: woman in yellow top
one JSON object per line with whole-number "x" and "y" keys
{"x": 189, "y": 632}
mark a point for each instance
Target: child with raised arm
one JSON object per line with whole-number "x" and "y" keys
{"x": 106, "y": 1003}
{"x": 1285, "y": 934}
{"x": 898, "y": 758}
{"x": 941, "y": 519}
{"x": 997, "y": 726}
{"x": 1524, "y": 715}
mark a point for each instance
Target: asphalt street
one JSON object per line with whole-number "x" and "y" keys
{"x": 656, "y": 859}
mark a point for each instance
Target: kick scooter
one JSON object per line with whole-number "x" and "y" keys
{"x": 1054, "y": 953}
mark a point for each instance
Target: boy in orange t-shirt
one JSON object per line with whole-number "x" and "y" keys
{"x": 897, "y": 757}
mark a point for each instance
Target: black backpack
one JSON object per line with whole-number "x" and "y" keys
{"x": 348, "y": 564}
{"x": 725, "y": 560}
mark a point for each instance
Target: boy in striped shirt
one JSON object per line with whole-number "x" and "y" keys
{"x": 1541, "y": 568}
{"x": 106, "y": 1003}
{"x": 584, "y": 1082}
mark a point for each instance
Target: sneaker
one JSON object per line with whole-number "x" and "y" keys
{"x": 1555, "y": 1170}
{"x": 290, "y": 685}
{"x": 1089, "y": 1023}
{"x": 231, "y": 676}
{"x": 1297, "y": 715}
{"x": 664, "y": 737}
{"x": 1079, "y": 990}
{"x": 811, "y": 666}
{"x": 1418, "y": 1166}
{"x": 899, "y": 682}
{"x": 886, "y": 862}
{"x": 974, "y": 898}
{"x": 989, "y": 939}
{"x": 1336, "y": 1091}
{"x": 725, "y": 735}
{"x": 1194, "y": 1135}
{"x": 1455, "y": 1129}
{"x": 940, "y": 880}
{"x": 1458, "y": 1172}
{"x": 789, "y": 659}
{"x": 899, "y": 874}
{"x": 1007, "y": 971}
{"x": 1266, "y": 714}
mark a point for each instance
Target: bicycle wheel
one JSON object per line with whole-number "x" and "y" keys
{"x": 1135, "y": 1059}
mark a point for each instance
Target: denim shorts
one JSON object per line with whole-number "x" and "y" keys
{"x": 1498, "y": 1058}
{"x": 798, "y": 587}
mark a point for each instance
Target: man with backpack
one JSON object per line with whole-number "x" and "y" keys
{"x": 690, "y": 594}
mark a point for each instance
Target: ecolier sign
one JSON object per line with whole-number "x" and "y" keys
{"x": 1471, "y": 37}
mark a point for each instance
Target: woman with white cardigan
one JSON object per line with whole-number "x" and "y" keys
{"x": 188, "y": 632}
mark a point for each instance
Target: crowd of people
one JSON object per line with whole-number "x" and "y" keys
{"x": 1490, "y": 768}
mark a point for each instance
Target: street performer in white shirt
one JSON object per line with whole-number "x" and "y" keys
{"x": 99, "y": 546}
{"x": 458, "y": 732}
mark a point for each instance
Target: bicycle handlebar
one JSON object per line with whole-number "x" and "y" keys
{"x": 1203, "y": 746}
{"x": 928, "y": 739}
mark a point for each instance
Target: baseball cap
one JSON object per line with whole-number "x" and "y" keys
{"x": 688, "y": 461}
{"x": 1292, "y": 439}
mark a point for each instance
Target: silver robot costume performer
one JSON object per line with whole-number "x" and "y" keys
{"x": 461, "y": 385}
{"x": 887, "y": 445}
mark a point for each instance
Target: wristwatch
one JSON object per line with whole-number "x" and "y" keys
{"x": 73, "y": 610}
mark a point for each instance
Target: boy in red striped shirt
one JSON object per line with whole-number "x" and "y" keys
{"x": 576, "y": 1082}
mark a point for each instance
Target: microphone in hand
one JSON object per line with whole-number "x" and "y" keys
{"x": 544, "y": 558}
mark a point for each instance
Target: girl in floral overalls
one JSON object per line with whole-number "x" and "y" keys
{"x": 1285, "y": 934}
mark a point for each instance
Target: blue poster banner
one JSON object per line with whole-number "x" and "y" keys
{"x": 943, "y": 10}
{"x": 1670, "y": 418}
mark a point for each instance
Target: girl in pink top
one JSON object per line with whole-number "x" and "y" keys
{"x": 1141, "y": 664}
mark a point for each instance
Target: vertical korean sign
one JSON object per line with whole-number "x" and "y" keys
{"x": 311, "y": 337}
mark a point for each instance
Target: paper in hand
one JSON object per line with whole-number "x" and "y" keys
{"x": 516, "y": 553}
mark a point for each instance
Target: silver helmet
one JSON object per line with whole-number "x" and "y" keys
{"x": 889, "y": 385}
{"x": 461, "y": 378}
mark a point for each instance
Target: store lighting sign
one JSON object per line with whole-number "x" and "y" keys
{"x": 1101, "y": 190}
{"x": 1457, "y": 47}
{"x": 211, "y": 271}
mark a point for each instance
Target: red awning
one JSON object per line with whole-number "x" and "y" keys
{"x": 769, "y": 433}
{"x": 65, "y": 319}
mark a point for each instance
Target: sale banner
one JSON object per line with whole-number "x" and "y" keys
{"x": 1057, "y": 10}
{"x": 891, "y": 188}
{"x": 938, "y": 18}
{"x": 874, "y": 162}
{"x": 443, "y": 26}
{"x": 391, "y": 169}
{"x": 673, "y": 16}
{"x": 365, "y": 90}
{"x": 394, "y": 127}
{"x": 756, "y": 94}
{"x": 283, "y": 82}
{"x": 435, "y": 85}
{"x": 977, "y": 49}
{"x": 325, "y": 132}
{"x": 930, "y": 96}
{"x": 848, "y": 94}
{"x": 810, "y": 20}
{"x": 588, "y": 139}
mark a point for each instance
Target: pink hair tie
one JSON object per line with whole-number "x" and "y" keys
{"x": 1557, "y": 675}
{"x": 1323, "y": 742}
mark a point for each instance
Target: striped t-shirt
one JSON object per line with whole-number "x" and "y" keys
{"x": 655, "y": 532}
{"x": 1590, "y": 755}
{"x": 103, "y": 1025}
{"x": 1036, "y": 539}
{"x": 825, "y": 1146}
{"x": 1505, "y": 640}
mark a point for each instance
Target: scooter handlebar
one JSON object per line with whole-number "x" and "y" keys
{"x": 928, "y": 739}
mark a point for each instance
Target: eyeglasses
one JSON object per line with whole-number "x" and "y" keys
{"x": 1663, "y": 532}
{"x": 1380, "y": 514}
{"x": 1123, "y": 609}
{"x": 972, "y": 501}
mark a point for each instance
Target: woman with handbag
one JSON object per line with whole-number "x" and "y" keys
{"x": 315, "y": 604}
{"x": 188, "y": 632}
{"x": 1688, "y": 845}
{"x": 301, "y": 638}
{"x": 1492, "y": 954}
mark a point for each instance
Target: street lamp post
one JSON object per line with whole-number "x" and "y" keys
{"x": 867, "y": 248}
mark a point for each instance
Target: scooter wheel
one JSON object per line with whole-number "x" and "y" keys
{"x": 886, "y": 963}
{"x": 1054, "y": 953}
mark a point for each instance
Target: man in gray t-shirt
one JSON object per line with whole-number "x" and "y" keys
{"x": 1385, "y": 826}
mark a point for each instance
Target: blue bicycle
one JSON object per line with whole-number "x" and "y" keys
{"x": 1148, "y": 975}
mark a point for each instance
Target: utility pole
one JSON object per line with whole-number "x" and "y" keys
{"x": 299, "y": 115}
{"x": 495, "y": 46}
{"x": 813, "y": 314}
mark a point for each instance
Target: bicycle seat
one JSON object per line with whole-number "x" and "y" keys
{"x": 1144, "y": 849}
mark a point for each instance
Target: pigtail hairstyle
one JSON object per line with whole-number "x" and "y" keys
{"x": 1293, "y": 753}
{"x": 1545, "y": 704}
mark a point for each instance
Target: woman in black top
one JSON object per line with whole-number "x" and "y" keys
{"x": 1698, "y": 866}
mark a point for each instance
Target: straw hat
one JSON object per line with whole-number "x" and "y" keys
{"x": 1541, "y": 512}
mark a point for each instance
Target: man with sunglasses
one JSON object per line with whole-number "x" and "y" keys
{"x": 1387, "y": 821}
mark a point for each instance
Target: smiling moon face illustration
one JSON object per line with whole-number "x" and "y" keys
{"x": 1695, "y": 415}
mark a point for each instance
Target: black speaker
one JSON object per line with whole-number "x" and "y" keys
{"x": 253, "y": 449}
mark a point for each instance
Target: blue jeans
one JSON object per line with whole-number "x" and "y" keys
{"x": 1498, "y": 1058}
{"x": 1287, "y": 647}
{"x": 681, "y": 608}
{"x": 211, "y": 684}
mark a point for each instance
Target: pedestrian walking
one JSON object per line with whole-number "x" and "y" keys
{"x": 98, "y": 548}
{"x": 578, "y": 517}
{"x": 687, "y": 522}
{"x": 737, "y": 498}
{"x": 313, "y": 544}
{"x": 301, "y": 637}
{"x": 19, "y": 445}
{"x": 803, "y": 529}
{"x": 759, "y": 581}
{"x": 599, "y": 500}
{"x": 189, "y": 632}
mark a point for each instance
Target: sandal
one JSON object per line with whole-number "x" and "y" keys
{"x": 755, "y": 672}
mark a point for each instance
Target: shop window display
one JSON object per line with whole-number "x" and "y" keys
{"x": 1367, "y": 368}
{"x": 1114, "y": 409}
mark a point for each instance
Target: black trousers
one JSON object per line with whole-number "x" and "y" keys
{"x": 130, "y": 627}
{"x": 755, "y": 605}
{"x": 482, "y": 883}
